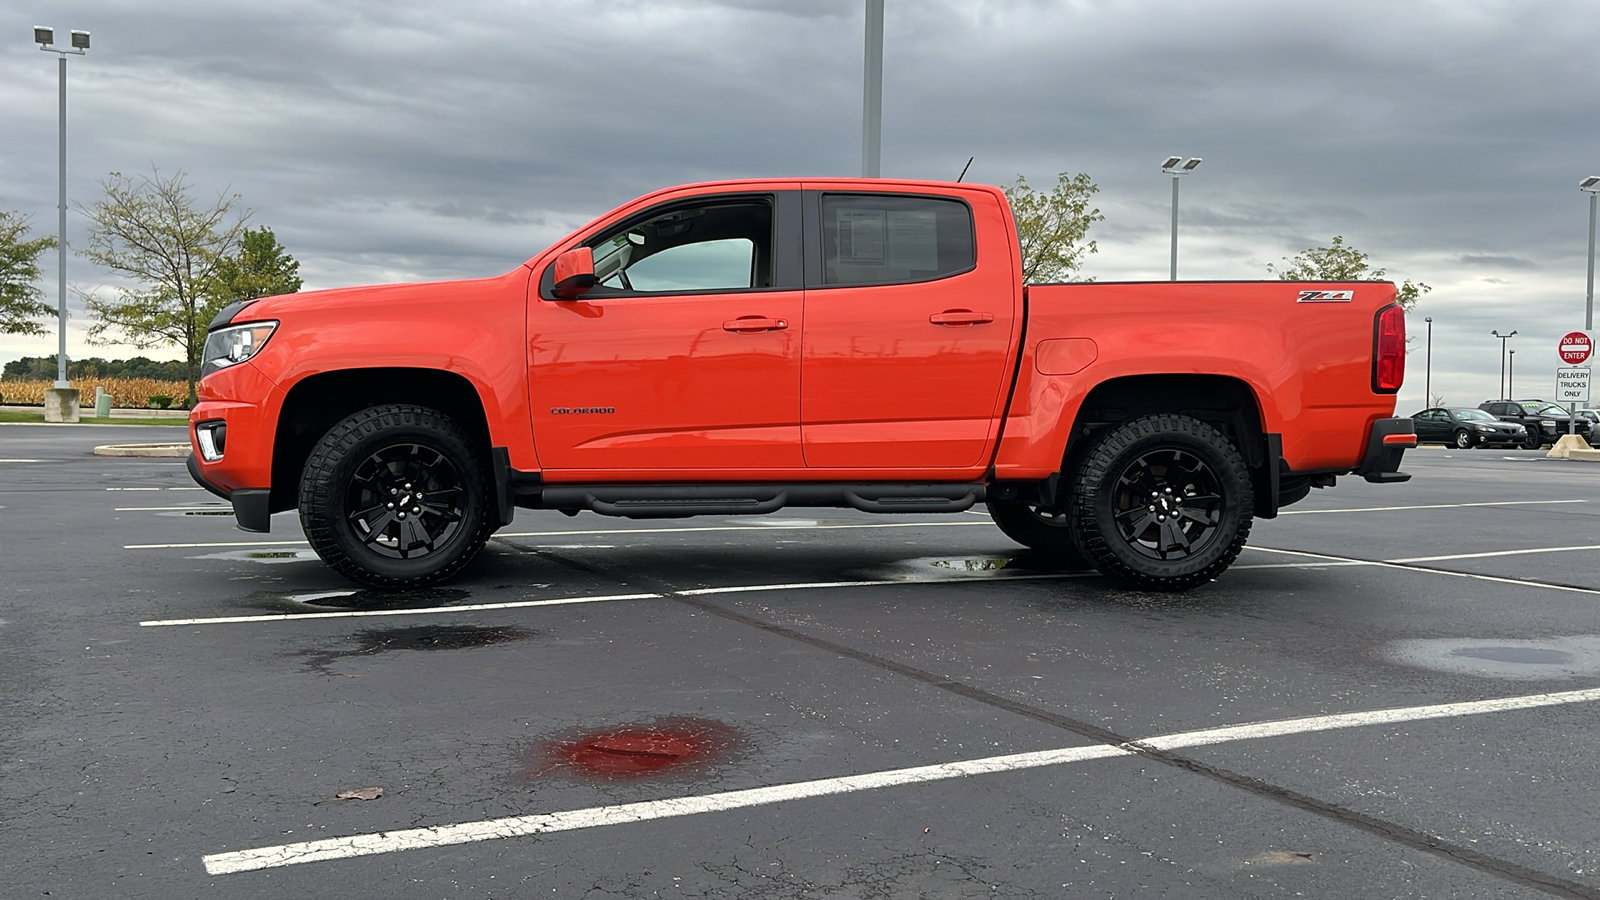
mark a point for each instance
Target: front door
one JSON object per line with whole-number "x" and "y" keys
{"x": 908, "y": 330}
{"x": 686, "y": 355}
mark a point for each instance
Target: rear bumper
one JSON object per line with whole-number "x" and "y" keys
{"x": 1386, "y": 444}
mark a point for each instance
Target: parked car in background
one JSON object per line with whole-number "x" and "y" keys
{"x": 1545, "y": 421}
{"x": 1465, "y": 428}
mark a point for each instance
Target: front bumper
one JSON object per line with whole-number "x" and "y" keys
{"x": 1386, "y": 444}
{"x": 242, "y": 474}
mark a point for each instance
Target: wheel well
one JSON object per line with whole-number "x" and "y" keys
{"x": 1227, "y": 404}
{"x": 321, "y": 401}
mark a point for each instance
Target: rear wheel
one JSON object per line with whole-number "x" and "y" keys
{"x": 1163, "y": 503}
{"x": 1038, "y": 529}
{"x": 396, "y": 496}
{"x": 1463, "y": 439}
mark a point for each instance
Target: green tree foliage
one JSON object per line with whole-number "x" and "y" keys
{"x": 36, "y": 368}
{"x": 22, "y": 304}
{"x": 1053, "y": 227}
{"x": 1343, "y": 263}
{"x": 151, "y": 232}
{"x": 261, "y": 267}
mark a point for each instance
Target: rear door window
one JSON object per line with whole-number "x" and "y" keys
{"x": 887, "y": 239}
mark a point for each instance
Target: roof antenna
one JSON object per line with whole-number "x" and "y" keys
{"x": 965, "y": 168}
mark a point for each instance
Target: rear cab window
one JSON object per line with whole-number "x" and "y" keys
{"x": 872, "y": 239}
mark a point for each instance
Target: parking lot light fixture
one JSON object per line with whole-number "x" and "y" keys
{"x": 1171, "y": 166}
{"x": 45, "y": 38}
{"x": 1503, "y": 338}
{"x": 1511, "y": 373}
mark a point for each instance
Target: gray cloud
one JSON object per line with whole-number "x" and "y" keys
{"x": 1488, "y": 261}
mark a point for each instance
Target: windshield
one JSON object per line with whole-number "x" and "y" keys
{"x": 1540, "y": 408}
{"x": 1473, "y": 415}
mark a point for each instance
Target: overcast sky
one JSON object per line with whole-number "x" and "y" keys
{"x": 396, "y": 140}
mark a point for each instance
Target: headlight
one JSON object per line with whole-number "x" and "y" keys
{"x": 1548, "y": 424}
{"x": 1486, "y": 428}
{"x": 233, "y": 345}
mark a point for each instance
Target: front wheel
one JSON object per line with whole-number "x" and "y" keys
{"x": 396, "y": 496}
{"x": 1163, "y": 503}
{"x": 1038, "y": 529}
{"x": 1463, "y": 439}
{"x": 1533, "y": 442}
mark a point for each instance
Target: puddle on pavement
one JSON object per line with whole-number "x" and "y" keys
{"x": 269, "y": 557}
{"x": 1529, "y": 660}
{"x": 416, "y": 637}
{"x": 928, "y": 568}
{"x": 356, "y": 599}
{"x": 668, "y": 746}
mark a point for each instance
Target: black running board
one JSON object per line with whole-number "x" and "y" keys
{"x": 672, "y": 501}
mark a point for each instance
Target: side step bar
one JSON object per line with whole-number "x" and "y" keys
{"x": 673, "y": 501}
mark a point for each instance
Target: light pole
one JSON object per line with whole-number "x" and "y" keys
{"x": 1172, "y": 167}
{"x": 45, "y": 37}
{"x": 1511, "y": 374}
{"x": 872, "y": 92}
{"x": 1590, "y": 186}
{"x": 1427, "y": 377}
{"x": 1503, "y": 338}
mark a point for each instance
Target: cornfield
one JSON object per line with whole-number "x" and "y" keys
{"x": 126, "y": 393}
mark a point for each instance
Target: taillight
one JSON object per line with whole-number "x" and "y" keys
{"x": 1389, "y": 349}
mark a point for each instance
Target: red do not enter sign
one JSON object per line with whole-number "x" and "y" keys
{"x": 1575, "y": 348}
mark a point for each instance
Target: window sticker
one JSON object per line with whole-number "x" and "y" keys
{"x": 862, "y": 236}
{"x": 914, "y": 239}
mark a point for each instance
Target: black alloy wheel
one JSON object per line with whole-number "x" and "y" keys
{"x": 1163, "y": 503}
{"x": 1533, "y": 442}
{"x": 396, "y": 496}
{"x": 1037, "y": 528}
{"x": 1463, "y": 439}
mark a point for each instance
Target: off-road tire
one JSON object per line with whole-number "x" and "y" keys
{"x": 1162, "y": 458}
{"x": 411, "y": 446}
{"x": 1038, "y": 530}
{"x": 1463, "y": 439}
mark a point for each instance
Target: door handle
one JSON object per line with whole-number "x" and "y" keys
{"x": 961, "y": 317}
{"x": 750, "y": 324}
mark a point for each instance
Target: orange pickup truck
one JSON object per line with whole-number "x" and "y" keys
{"x": 738, "y": 347}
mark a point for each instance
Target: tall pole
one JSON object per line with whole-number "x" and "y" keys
{"x": 1427, "y": 378}
{"x": 1174, "y": 227}
{"x": 1511, "y": 374}
{"x": 872, "y": 93}
{"x": 61, "y": 294}
{"x": 1588, "y": 304}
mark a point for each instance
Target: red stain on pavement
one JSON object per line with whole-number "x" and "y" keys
{"x": 668, "y": 745}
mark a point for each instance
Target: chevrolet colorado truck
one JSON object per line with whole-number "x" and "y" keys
{"x": 739, "y": 347}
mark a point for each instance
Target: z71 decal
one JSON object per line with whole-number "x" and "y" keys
{"x": 1326, "y": 296}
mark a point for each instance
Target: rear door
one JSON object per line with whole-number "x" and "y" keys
{"x": 686, "y": 355}
{"x": 908, "y": 329}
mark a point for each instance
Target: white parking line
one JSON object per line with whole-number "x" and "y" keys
{"x": 1409, "y": 568}
{"x": 672, "y": 807}
{"x": 1312, "y": 512}
{"x": 592, "y": 532}
{"x": 809, "y": 585}
{"x": 1417, "y": 559}
{"x": 419, "y": 611}
{"x": 212, "y": 506}
{"x": 19, "y": 460}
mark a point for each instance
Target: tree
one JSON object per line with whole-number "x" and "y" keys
{"x": 260, "y": 268}
{"x": 21, "y": 303}
{"x": 1052, "y": 227}
{"x": 151, "y": 232}
{"x": 1341, "y": 263}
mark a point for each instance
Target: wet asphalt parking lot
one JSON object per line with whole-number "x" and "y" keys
{"x": 1395, "y": 693}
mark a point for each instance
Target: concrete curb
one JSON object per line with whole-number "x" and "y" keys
{"x": 1571, "y": 446}
{"x": 176, "y": 451}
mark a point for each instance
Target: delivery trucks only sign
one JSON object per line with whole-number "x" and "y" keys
{"x": 1575, "y": 348}
{"x": 1572, "y": 385}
